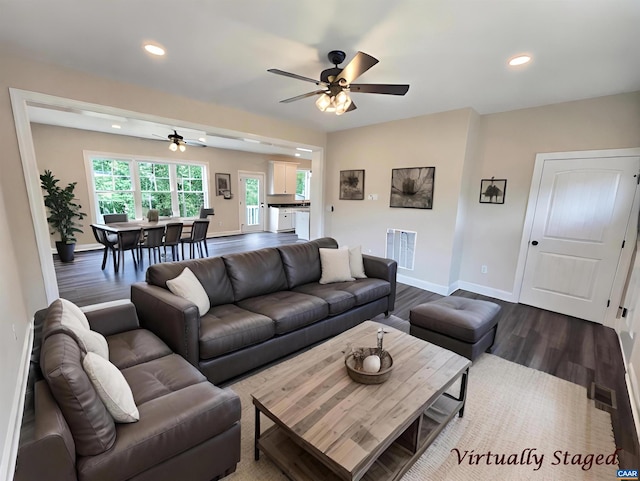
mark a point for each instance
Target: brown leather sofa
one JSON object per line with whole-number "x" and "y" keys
{"x": 265, "y": 304}
{"x": 188, "y": 428}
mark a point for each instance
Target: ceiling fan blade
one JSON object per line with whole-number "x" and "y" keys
{"x": 358, "y": 65}
{"x": 389, "y": 89}
{"x": 303, "y": 96}
{"x": 351, "y": 107}
{"x": 296, "y": 76}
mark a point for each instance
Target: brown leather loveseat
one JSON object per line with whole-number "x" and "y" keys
{"x": 262, "y": 305}
{"x": 187, "y": 428}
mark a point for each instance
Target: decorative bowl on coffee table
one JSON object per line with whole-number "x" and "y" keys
{"x": 353, "y": 362}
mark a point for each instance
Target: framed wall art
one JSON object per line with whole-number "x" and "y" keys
{"x": 493, "y": 191}
{"x": 412, "y": 187}
{"x": 352, "y": 185}
{"x": 223, "y": 184}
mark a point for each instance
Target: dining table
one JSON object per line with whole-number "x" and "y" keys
{"x": 115, "y": 229}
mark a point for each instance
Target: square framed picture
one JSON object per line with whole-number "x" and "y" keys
{"x": 493, "y": 191}
{"x": 223, "y": 184}
{"x": 412, "y": 188}
{"x": 352, "y": 185}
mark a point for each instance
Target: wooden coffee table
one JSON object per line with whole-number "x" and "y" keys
{"x": 328, "y": 427}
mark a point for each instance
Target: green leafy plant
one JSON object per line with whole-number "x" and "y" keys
{"x": 63, "y": 210}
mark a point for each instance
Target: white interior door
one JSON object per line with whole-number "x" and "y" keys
{"x": 252, "y": 199}
{"x": 579, "y": 225}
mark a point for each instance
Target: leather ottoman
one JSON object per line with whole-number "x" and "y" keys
{"x": 464, "y": 326}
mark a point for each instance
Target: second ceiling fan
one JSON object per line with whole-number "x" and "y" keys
{"x": 337, "y": 83}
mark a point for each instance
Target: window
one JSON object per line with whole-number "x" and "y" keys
{"x": 303, "y": 185}
{"x": 133, "y": 186}
{"x": 113, "y": 186}
{"x": 190, "y": 189}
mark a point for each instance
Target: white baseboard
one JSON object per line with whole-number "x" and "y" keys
{"x": 223, "y": 234}
{"x": 487, "y": 291}
{"x": 427, "y": 286}
{"x": 634, "y": 395}
{"x": 12, "y": 440}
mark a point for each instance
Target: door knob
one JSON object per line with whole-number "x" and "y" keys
{"x": 534, "y": 243}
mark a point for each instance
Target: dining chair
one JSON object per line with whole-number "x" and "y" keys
{"x": 172, "y": 238}
{"x": 109, "y": 218}
{"x": 152, "y": 241}
{"x": 197, "y": 238}
{"x": 128, "y": 240}
{"x": 108, "y": 240}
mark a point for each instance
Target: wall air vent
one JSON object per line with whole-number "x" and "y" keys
{"x": 401, "y": 247}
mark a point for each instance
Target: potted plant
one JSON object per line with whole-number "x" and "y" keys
{"x": 63, "y": 212}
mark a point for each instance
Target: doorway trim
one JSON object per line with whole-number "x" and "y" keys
{"x": 623, "y": 264}
{"x": 21, "y": 98}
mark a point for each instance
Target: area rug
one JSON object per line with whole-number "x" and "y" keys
{"x": 518, "y": 423}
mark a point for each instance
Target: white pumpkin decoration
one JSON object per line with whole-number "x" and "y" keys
{"x": 371, "y": 364}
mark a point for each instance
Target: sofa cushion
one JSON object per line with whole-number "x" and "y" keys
{"x": 228, "y": 328}
{"x": 289, "y": 310}
{"x": 187, "y": 286}
{"x": 65, "y": 314}
{"x": 356, "y": 263}
{"x": 169, "y": 425}
{"x": 301, "y": 263}
{"x": 91, "y": 425}
{"x": 160, "y": 377}
{"x": 365, "y": 290}
{"x": 211, "y": 272}
{"x": 255, "y": 273}
{"x": 335, "y": 266}
{"x": 112, "y": 388}
{"x": 135, "y": 347}
{"x": 339, "y": 301}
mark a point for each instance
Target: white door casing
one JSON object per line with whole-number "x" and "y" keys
{"x": 578, "y": 228}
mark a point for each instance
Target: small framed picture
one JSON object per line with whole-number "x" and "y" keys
{"x": 493, "y": 191}
{"x": 223, "y": 184}
{"x": 352, "y": 185}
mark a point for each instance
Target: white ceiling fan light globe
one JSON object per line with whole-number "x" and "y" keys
{"x": 182, "y": 148}
{"x": 173, "y": 146}
{"x": 323, "y": 102}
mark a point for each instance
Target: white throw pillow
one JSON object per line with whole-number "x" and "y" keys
{"x": 335, "y": 265}
{"x": 74, "y": 319}
{"x": 356, "y": 264}
{"x": 112, "y": 388}
{"x": 188, "y": 286}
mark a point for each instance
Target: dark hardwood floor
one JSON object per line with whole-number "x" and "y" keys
{"x": 572, "y": 349}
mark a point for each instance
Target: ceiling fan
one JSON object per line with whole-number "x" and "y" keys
{"x": 336, "y": 83}
{"x": 179, "y": 143}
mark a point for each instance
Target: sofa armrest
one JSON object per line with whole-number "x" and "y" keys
{"x": 50, "y": 452}
{"x": 382, "y": 268}
{"x": 172, "y": 318}
{"x": 110, "y": 318}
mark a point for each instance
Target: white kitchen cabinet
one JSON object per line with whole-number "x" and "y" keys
{"x": 282, "y": 178}
{"x": 281, "y": 219}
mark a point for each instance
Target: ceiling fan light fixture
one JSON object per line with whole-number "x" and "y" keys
{"x": 342, "y": 102}
{"x": 173, "y": 146}
{"x": 323, "y": 102}
{"x": 182, "y": 148}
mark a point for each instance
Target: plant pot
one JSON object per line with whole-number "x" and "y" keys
{"x": 65, "y": 251}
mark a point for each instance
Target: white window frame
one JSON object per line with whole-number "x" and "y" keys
{"x": 134, "y": 161}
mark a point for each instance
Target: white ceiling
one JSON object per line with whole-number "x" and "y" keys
{"x": 453, "y": 53}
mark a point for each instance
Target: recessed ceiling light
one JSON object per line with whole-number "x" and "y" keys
{"x": 115, "y": 126}
{"x": 297, "y": 154}
{"x": 202, "y": 139}
{"x": 303, "y": 149}
{"x": 154, "y": 49}
{"x": 252, "y": 141}
{"x": 519, "y": 60}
